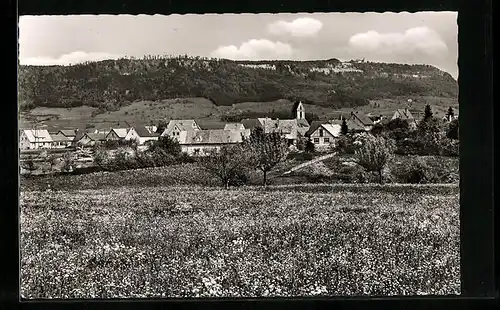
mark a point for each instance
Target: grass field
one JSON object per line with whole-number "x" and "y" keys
{"x": 192, "y": 241}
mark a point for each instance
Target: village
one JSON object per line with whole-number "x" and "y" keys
{"x": 196, "y": 141}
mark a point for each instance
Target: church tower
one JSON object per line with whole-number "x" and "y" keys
{"x": 301, "y": 112}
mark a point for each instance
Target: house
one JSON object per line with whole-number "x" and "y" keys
{"x": 145, "y": 135}
{"x": 59, "y": 140}
{"x": 201, "y": 142}
{"x": 405, "y": 114}
{"x": 324, "y": 135}
{"x": 32, "y": 139}
{"x": 234, "y": 126}
{"x": 360, "y": 119}
{"x": 90, "y": 139}
{"x": 289, "y": 128}
{"x": 117, "y": 134}
{"x": 174, "y": 127}
{"x": 70, "y": 133}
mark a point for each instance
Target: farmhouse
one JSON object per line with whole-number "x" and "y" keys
{"x": 360, "y": 119}
{"x": 32, "y": 139}
{"x": 59, "y": 140}
{"x": 117, "y": 134}
{"x": 324, "y": 135}
{"x": 90, "y": 139}
{"x": 405, "y": 114}
{"x": 201, "y": 142}
{"x": 174, "y": 127}
{"x": 144, "y": 135}
{"x": 70, "y": 133}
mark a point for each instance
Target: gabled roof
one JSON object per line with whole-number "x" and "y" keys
{"x": 182, "y": 124}
{"x": 313, "y": 127}
{"x": 143, "y": 132}
{"x": 120, "y": 132}
{"x": 67, "y": 132}
{"x": 38, "y": 135}
{"x": 354, "y": 126}
{"x": 285, "y": 125}
{"x": 333, "y": 129}
{"x": 302, "y": 123}
{"x": 216, "y": 136}
{"x": 59, "y": 137}
{"x": 405, "y": 114}
{"x": 361, "y": 117}
{"x": 96, "y": 136}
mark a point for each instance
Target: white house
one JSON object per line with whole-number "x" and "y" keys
{"x": 201, "y": 142}
{"x": 324, "y": 135}
{"x": 32, "y": 139}
{"x": 144, "y": 134}
{"x": 174, "y": 127}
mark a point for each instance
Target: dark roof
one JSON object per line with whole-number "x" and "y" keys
{"x": 96, "y": 136}
{"x": 251, "y": 123}
{"x": 405, "y": 114}
{"x": 303, "y": 123}
{"x": 142, "y": 131}
{"x": 313, "y": 127}
{"x": 68, "y": 132}
{"x": 365, "y": 120}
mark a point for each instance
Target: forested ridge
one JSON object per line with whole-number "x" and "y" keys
{"x": 109, "y": 84}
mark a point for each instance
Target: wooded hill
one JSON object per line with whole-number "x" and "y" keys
{"x": 110, "y": 84}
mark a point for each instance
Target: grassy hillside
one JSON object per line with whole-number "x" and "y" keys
{"x": 112, "y": 84}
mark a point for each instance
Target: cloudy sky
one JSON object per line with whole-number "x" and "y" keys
{"x": 426, "y": 37}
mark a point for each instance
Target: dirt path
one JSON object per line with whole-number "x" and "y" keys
{"x": 312, "y": 161}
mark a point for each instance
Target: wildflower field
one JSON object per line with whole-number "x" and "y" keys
{"x": 199, "y": 241}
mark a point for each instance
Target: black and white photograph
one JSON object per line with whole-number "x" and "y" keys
{"x": 239, "y": 155}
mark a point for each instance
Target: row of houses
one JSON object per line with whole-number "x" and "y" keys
{"x": 198, "y": 142}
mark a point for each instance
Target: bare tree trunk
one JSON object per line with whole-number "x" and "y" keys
{"x": 380, "y": 179}
{"x": 265, "y": 179}
{"x": 227, "y": 184}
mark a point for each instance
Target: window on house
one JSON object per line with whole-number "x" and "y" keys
{"x": 321, "y": 132}
{"x": 316, "y": 140}
{"x": 327, "y": 140}
{"x": 197, "y": 151}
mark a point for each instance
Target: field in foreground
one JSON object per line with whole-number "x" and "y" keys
{"x": 205, "y": 242}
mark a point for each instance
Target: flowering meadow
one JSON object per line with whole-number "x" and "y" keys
{"x": 199, "y": 241}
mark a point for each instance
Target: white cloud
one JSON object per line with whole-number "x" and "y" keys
{"x": 419, "y": 39}
{"x": 256, "y": 49}
{"x": 66, "y": 59}
{"x": 300, "y": 27}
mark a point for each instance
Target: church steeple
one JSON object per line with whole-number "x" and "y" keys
{"x": 300, "y": 111}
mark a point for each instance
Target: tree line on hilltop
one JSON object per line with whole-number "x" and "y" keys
{"x": 110, "y": 84}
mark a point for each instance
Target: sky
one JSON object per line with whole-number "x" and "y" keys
{"x": 412, "y": 38}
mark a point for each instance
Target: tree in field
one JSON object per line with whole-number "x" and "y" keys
{"x": 228, "y": 164}
{"x": 374, "y": 155}
{"x": 427, "y": 112}
{"x": 52, "y": 160}
{"x": 167, "y": 145}
{"x": 452, "y": 132}
{"x": 68, "y": 162}
{"x": 265, "y": 150}
{"x": 343, "y": 128}
{"x": 450, "y": 114}
{"x": 161, "y": 127}
{"x": 310, "y": 147}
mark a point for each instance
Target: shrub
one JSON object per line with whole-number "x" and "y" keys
{"x": 419, "y": 169}
{"x": 374, "y": 155}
